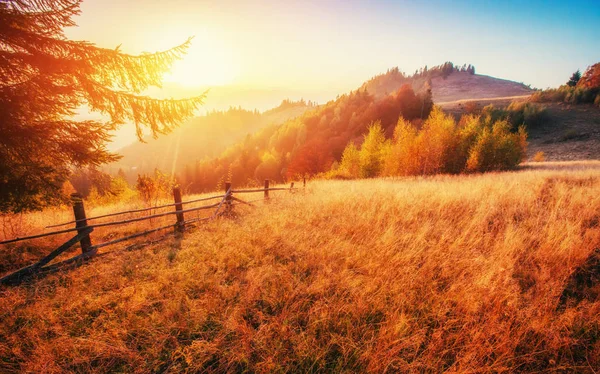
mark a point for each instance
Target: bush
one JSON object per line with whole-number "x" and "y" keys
{"x": 497, "y": 149}
{"x": 539, "y": 157}
{"x": 572, "y": 95}
{"x": 472, "y": 107}
{"x": 548, "y": 96}
{"x": 528, "y": 114}
{"x": 518, "y": 113}
{"x": 154, "y": 187}
{"x": 119, "y": 192}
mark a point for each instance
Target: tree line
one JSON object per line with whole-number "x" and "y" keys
{"x": 440, "y": 145}
{"x": 307, "y": 145}
{"x": 579, "y": 89}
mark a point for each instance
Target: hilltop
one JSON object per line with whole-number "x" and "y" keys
{"x": 448, "y": 83}
{"x": 464, "y": 86}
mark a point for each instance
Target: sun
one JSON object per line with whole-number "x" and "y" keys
{"x": 207, "y": 63}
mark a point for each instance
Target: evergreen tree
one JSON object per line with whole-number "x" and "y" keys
{"x": 427, "y": 97}
{"x": 574, "y": 79}
{"x": 45, "y": 78}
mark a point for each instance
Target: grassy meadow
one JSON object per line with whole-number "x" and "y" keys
{"x": 418, "y": 274}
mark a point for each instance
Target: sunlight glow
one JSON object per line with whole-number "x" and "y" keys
{"x": 207, "y": 63}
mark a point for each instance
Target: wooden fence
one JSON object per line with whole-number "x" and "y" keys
{"x": 83, "y": 229}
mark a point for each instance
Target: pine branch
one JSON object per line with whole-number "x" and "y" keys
{"x": 109, "y": 67}
{"x": 48, "y": 18}
{"x": 160, "y": 115}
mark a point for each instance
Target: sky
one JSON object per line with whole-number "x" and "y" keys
{"x": 317, "y": 49}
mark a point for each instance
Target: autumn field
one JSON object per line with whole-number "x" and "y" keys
{"x": 467, "y": 273}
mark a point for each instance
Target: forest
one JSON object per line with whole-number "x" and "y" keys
{"x": 307, "y": 145}
{"x": 303, "y": 139}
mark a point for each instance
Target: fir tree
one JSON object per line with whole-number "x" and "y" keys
{"x": 574, "y": 79}
{"x": 45, "y": 78}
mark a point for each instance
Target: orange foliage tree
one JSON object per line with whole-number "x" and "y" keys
{"x": 591, "y": 77}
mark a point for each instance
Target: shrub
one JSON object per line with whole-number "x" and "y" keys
{"x": 573, "y": 95}
{"x": 548, "y": 96}
{"x": 497, "y": 149}
{"x": 118, "y": 192}
{"x": 471, "y": 107}
{"x": 539, "y": 157}
{"x": 524, "y": 113}
{"x": 518, "y": 113}
{"x": 154, "y": 187}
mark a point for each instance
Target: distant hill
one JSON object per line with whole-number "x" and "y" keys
{"x": 239, "y": 145}
{"x": 201, "y": 137}
{"x": 447, "y": 83}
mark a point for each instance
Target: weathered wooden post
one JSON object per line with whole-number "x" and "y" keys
{"x": 179, "y": 227}
{"x": 304, "y": 182}
{"x": 81, "y": 221}
{"x": 266, "y": 189}
{"x": 228, "y": 197}
{"x": 292, "y": 187}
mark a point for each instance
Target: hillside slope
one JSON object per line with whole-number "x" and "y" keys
{"x": 201, "y": 137}
{"x": 459, "y": 274}
{"x": 462, "y": 85}
{"x": 568, "y": 132}
{"x": 447, "y": 83}
{"x": 572, "y": 132}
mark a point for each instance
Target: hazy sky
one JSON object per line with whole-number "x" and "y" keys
{"x": 339, "y": 44}
{"x": 318, "y": 49}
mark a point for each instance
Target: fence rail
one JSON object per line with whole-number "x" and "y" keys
{"x": 84, "y": 229}
{"x": 137, "y": 210}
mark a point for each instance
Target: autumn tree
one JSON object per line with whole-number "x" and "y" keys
{"x": 310, "y": 160}
{"x": 591, "y": 77}
{"x": 371, "y": 151}
{"x": 45, "y": 78}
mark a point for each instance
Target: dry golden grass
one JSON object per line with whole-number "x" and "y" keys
{"x": 446, "y": 273}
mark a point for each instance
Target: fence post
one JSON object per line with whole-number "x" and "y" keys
{"x": 304, "y": 182}
{"x": 228, "y": 198}
{"x": 291, "y": 186}
{"x": 178, "y": 208}
{"x": 80, "y": 221}
{"x": 266, "y": 189}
